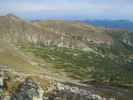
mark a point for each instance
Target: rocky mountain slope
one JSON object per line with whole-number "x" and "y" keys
{"x": 59, "y": 33}
{"x": 24, "y": 87}
{"x": 65, "y": 51}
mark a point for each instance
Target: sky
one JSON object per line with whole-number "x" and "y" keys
{"x": 69, "y": 9}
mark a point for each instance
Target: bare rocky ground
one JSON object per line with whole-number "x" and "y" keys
{"x": 21, "y": 86}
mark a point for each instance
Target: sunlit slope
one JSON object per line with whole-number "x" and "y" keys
{"x": 13, "y": 59}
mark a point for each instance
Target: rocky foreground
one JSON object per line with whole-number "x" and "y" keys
{"x": 18, "y": 86}
{"x": 29, "y": 90}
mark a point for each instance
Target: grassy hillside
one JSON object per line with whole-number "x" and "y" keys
{"x": 14, "y": 60}
{"x": 103, "y": 64}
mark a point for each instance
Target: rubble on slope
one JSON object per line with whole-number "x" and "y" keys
{"x": 16, "y": 88}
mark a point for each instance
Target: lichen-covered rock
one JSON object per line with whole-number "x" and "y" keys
{"x": 67, "y": 92}
{"x": 28, "y": 90}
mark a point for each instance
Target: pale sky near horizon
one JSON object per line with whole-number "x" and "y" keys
{"x": 69, "y": 9}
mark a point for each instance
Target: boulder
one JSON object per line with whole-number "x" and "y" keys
{"x": 28, "y": 90}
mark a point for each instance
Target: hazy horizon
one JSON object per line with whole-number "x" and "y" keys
{"x": 69, "y": 9}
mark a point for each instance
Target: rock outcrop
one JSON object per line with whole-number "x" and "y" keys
{"x": 28, "y": 90}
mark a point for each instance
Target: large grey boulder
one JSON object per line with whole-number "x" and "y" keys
{"x": 28, "y": 90}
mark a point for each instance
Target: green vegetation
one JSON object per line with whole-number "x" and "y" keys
{"x": 105, "y": 65}
{"x": 14, "y": 60}
{"x": 108, "y": 59}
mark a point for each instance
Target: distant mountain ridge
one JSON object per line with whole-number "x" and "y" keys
{"x": 112, "y": 24}
{"x": 59, "y": 33}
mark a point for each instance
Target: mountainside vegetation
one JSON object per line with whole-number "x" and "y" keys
{"x": 83, "y": 52}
